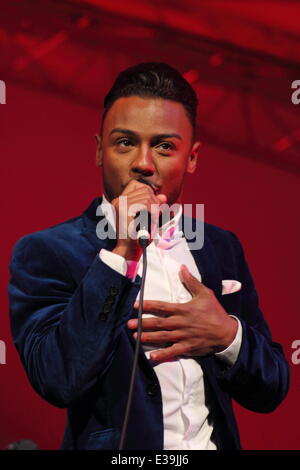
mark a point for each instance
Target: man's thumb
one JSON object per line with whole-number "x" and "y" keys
{"x": 190, "y": 282}
{"x": 162, "y": 198}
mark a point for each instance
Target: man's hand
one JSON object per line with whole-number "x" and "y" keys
{"x": 196, "y": 328}
{"x": 137, "y": 194}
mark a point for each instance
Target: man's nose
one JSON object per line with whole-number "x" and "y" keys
{"x": 143, "y": 163}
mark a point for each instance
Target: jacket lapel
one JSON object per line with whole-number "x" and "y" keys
{"x": 205, "y": 258}
{"x": 91, "y": 218}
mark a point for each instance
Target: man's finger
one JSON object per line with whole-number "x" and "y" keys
{"x": 161, "y": 336}
{"x": 159, "y": 308}
{"x": 158, "y": 323}
{"x": 191, "y": 283}
{"x": 169, "y": 353}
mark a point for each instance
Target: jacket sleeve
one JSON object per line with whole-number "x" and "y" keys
{"x": 259, "y": 379}
{"x": 65, "y": 333}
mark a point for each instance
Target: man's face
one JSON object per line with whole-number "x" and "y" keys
{"x": 149, "y": 138}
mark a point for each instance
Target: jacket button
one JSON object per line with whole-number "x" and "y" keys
{"x": 113, "y": 290}
{"x": 106, "y": 309}
{"x": 110, "y": 300}
{"x": 152, "y": 390}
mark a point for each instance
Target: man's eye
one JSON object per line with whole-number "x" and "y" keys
{"x": 166, "y": 146}
{"x": 124, "y": 142}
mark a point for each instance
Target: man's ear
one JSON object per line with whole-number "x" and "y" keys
{"x": 98, "y": 150}
{"x": 192, "y": 160}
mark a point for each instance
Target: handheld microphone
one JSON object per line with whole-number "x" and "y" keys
{"x": 143, "y": 235}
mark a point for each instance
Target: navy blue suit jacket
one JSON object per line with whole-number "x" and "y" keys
{"x": 68, "y": 319}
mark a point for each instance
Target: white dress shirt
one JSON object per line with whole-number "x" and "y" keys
{"x": 186, "y": 417}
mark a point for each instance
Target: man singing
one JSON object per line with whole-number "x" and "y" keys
{"x": 74, "y": 293}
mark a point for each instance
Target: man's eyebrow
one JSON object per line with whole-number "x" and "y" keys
{"x": 167, "y": 136}
{"x": 155, "y": 137}
{"x": 123, "y": 131}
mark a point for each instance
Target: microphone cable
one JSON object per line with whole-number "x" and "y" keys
{"x": 143, "y": 241}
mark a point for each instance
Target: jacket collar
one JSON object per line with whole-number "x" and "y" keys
{"x": 91, "y": 217}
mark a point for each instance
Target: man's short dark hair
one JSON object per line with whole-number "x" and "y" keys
{"x": 154, "y": 80}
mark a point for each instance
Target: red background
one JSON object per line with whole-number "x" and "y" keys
{"x": 49, "y": 174}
